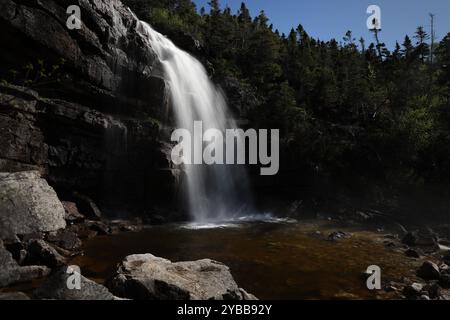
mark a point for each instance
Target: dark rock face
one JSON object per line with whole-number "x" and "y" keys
{"x": 56, "y": 288}
{"x": 146, "y": 277}
{"x": 27, "y": 205}
{"x": 65, "y": 239}
{"x": 96, "y": 131}
{"x": 40, "y": 252}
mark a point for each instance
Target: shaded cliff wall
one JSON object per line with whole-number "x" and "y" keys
{"x": 100, "y": 127}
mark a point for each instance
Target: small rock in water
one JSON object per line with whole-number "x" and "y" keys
{"x": 434, "y": 290}
{"x": 429, "y": 271}
{"x": 410, "y": 239}
{"x": 389, "y": 244}
{"x": 413, "y": 291}
{"x": 72, "y": 213}
{"x": 446, "y": 257}
{"x": 338, "y": 235}
{"x": 87, "y": 206}
{"x": 391, "y": 236}
{"x": 82, "y": 231}
{"x": 412, "y": 253}
{"x": 444, "y": 268}
{"x": 65, "y": 239}
{"x": 100, "y": 227}
{"x": 444, "y": 281}
{"x": 391, "y": 288}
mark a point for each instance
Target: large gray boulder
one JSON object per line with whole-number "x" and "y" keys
{"x": 28, "y": 205}
{"x": 146, "y": 277}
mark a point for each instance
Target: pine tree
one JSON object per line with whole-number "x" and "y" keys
{"x": 422, "y": 47}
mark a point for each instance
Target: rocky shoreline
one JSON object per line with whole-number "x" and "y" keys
{"x": 40, "y": 234}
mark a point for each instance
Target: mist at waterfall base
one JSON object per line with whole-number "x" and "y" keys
{"x": 218, "y": 195}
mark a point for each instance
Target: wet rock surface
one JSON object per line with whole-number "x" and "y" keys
{"x": 146, "y": 277}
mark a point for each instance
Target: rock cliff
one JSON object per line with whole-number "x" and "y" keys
{"x": 87, "y": 108}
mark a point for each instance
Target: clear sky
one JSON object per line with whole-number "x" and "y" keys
{"x": 326, "y": 19}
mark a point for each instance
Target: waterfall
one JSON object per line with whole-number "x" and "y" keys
{"x": 214, "y": 193}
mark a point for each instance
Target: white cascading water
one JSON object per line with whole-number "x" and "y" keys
{"x": 215, "y": 193}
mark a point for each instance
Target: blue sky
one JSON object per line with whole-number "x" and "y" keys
{"x": 326, "y": 19}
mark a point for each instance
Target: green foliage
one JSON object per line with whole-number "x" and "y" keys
{"x": 348, "y": 107}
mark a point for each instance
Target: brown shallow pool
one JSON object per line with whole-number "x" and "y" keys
{"x": 271, "y": 260}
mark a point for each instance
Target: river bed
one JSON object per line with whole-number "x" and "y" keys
{"x": 271, "y": 259}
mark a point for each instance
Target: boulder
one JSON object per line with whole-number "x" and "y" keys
{"x": 28, "y": 204}
{"x": 429, "y": 271}
{"x": 424, "y": 238}
{"x": 98, "y": 226}
{"x": 87, "y": 206}
{"x": 72, "y": 213}
{"x": 82, "y": 231}
{"x": 65, "y": 239}
{"x": 40, "y": 252}
{"x": 56, "y": 287}
{"x": 146, "y": 277}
